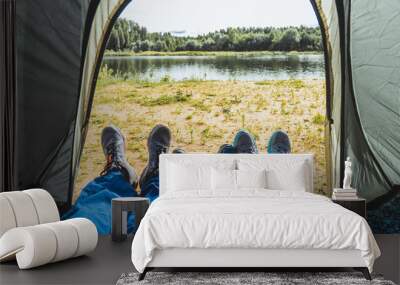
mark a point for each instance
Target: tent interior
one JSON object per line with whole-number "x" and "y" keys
{"x": 47, "y": 118}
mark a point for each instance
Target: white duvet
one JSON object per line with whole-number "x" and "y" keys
{"x": 252, "y": 218}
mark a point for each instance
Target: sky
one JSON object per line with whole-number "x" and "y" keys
{"x": 202, "y": 16}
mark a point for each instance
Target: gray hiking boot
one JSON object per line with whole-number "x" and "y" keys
{"x": 113, "y": 143}
{"x": 158, "y": 142}
{"x": 244, "y": 142}
{"x": 226, "y": 148}
{"x": 279, "y": 143}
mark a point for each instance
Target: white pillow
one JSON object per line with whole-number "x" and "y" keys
{"x": 183, "y": 177}
{"x": 223, "y": 179}
{"x": 251, "y": 178}
{"x": 292, "y": 179}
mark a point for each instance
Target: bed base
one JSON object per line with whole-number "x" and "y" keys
{"x": 363, "y": 270}
{"x": 241, "y": 259}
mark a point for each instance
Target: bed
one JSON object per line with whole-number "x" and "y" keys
{"x": 247, "y": 210}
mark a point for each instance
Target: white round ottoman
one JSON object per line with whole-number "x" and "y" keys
{"x": 31, "y": 230}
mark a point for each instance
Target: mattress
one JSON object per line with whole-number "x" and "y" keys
{"x": 250, "y": 219}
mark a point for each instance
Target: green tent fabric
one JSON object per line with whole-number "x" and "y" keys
{"x": 49, "y": 45}
{"x": 59, "y": 49}
{"x": 374, "y": 50}
{"x": 375, "y": 60}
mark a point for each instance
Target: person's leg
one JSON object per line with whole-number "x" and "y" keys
{"x": 118, "y": 179}
{"x": 244, "y": 142}
{"x": 279, "y": 142}
{"x": 151, "y": 188}
{"x": 94, "y": 201}
{"x": 158, "y": 142}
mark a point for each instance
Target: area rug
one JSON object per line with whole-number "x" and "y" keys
{"x": 269, "y": 278}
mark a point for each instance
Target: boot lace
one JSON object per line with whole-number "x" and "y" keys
{"x": 112, "y": 160}
{"x": 159, "y": 149}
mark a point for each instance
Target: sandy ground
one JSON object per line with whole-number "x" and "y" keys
{"x": 203, "y": 115}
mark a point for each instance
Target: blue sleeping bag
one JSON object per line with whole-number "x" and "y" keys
{"x": 94, "y": 202}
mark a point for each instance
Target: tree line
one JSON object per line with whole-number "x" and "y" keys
{"x": 127, "y": 35}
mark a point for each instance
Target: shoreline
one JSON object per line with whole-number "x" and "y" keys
{"x": 109, "y": 53}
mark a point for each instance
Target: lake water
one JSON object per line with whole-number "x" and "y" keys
{"x": 265, "y": 67}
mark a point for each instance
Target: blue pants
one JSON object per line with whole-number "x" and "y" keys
{"x": 151, "y": 189}
{"x": 94, "y": 201}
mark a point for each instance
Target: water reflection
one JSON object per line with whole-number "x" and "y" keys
{"x": 221, "y": 67}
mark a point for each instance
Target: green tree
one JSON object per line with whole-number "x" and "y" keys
{"x": 160, "y": 45}
{"x": 127, "y": 34}
{"x": 122, "y": 39}
{"x": 290, "y": 40}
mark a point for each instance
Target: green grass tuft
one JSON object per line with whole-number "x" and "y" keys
{"x": 318, "y": 119}
{"x": 164, "y": 99}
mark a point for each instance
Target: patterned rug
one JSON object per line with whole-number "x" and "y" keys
{"x": 243, "y": 278}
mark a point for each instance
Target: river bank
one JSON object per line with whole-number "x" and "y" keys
{"x": 208, "y": 53}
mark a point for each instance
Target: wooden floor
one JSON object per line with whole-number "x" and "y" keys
{"x": 103, "y": 266}
{"x": 110, "y": 259}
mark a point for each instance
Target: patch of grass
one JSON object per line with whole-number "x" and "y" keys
{"x": 284, "y": 110}
{"x": 164, "y": 99}
{"x": 191, "y": 134}
{"x": 210, "y": 133}
{"x": 300, "y": 111}
{"x": 276, "y": 95}
{"x": 226, "y": 110}
{"x": 236, "y": 99}
{"x": 299, "y": 129}
{"x": 264, "y": 83}
{"x": 95, "y": 120}
{"x": 296, "y": 83}
{"x": 291, "y": 83}
{"x": 148, "y": 84}
{"x": 318, "y": 119}
{"x": 192, "y": 82}
{"x": 200, "y": 105}
{"x": 178, "y": 110}
{"x": 166, "y": 78}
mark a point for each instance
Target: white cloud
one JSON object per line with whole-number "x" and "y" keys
{"x": 197, "y": 17}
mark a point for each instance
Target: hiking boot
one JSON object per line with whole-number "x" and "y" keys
{"x": 158, "y": 142}
{"x": 279, "y": 143}
{"x": 226, "y": 148}
{"x": 113, "y": 143}
{"x": 178, "y": 150}
{"x": 244, "y": 142}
